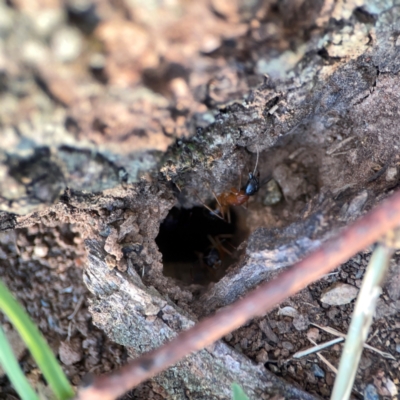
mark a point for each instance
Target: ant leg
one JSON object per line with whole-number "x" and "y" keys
{"x": 212, "y": 241}
{"x": 218, "y": 245}
{"x": 246, "y": 203}
{"x": 209, "y": 209}
{"x": 224, "y": 236}
{"x": 214, "y": 213}
{"x": 219, "y": 203}
{"x": 216, "y": 198}
{"x": 231, "y": 245}
{"x": 222, "y": 247}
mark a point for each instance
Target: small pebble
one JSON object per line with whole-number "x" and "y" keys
{"x": 313, "y": 334}
{"x": 287, "y": 345}
{"x": 262, "y": 356}
{"x": 284, "y": 327}
{"x": 228, "y": 337}
{"x": 269, "y": 333}
{"x": 365, "y": 362}
{"x": 238, "y": 348}
{"x": 97, "y": 61}
{"x": 288, "y": 312}
{"x": 359, "y": 273}
{"x": 105, "y": 232}
{"x": 398, "y": 348}
{"x": 332, "y": 313}
{"x": 6, "y": 19}
{"x": 310, "y": 377}
{"x": 44, "y": 303}
{"x": 110, "y": 261}
{"x": 70, "y": 352}
{"x": 356, "y": 205}
{"x": 393, "y": 285}
{"x": 3, "y": 255}
{"x": 40, "y": 251}
{"x": 338, "y": 294}
{"x": 370, "y": 393}
{"x": 285, "y": 353}
{"x": 329, "y": 379}
{"x": 273, "y": 368}
{"x": 273, "y": 195}
{"x": 391, "y": 174}
{"x": 391, "y": 387}
{"x": 317, "y": 371}
{"x": 67, "y": 44}
{"x": 301, "y": 322}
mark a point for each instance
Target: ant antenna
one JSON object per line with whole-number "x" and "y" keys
{"x": 255, "y": 168}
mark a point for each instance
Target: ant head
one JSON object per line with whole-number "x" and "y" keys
{"x": 252, "y": 185}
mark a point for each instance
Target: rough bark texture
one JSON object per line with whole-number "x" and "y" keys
{"x": 142, "y": 319}
{"x": 312, "y": 86}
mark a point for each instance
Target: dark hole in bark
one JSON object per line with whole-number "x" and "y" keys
{"x": 198, "y": 247}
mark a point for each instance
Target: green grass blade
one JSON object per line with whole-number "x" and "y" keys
{"x": 36, "y": 344}
{"x": 13, "y": 370}
{"x": 238, "y": 393}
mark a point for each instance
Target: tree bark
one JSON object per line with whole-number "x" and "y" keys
{"x": 313, "y": 87}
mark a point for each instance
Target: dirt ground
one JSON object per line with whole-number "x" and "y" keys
{"x": 281, "y": 336}
{"x": 43, "y": 268}
{"x": 120, "y": 125}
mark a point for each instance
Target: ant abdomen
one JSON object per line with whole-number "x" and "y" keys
{"x": 234, "y": 197}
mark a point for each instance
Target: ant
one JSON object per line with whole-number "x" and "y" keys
{"x": 213, "y": 259}
{"x": 217, "y": 251}
{"x": 236, "y": 197}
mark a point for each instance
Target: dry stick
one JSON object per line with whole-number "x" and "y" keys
{"x": 317, "y": 348}
{"x": 332, "y": 253}
{"x": 361, "y": 321}
{"x": 323, "y": 359}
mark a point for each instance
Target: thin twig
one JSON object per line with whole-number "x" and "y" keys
{"x": 332, "y": 253}
{"x": 317, "y": 347}
{"x": 335, "y": 332}
{"x": 361, "y": 321}
{"x": 77, "y": 307}
{"x": 323, "y": 359}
